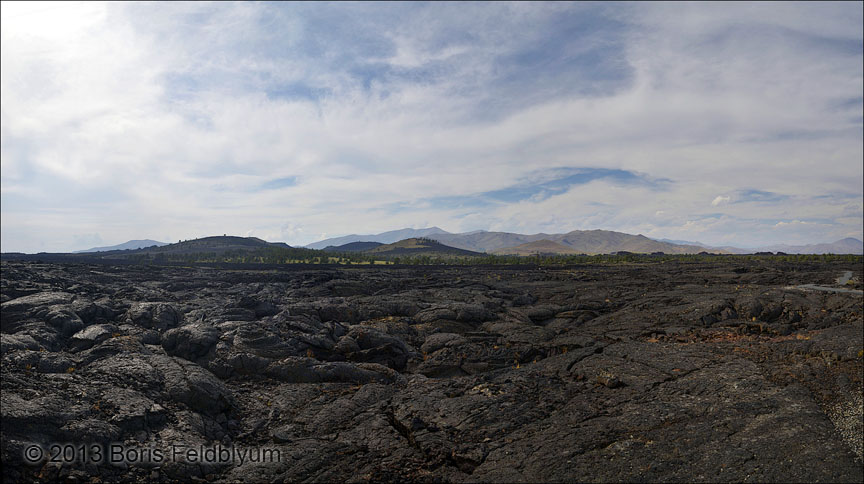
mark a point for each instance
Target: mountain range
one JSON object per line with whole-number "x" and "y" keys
{"x": 418, "y": 247}
{"x": 849, "y": 245}
{"x": 577, "y": 241}
{"x": 574, "y": 242}
{"x": 353, "y": 247}
{"x": 541, "y": 247}
{"x": 384, "y": 237}
{"x": 131, "y": 245}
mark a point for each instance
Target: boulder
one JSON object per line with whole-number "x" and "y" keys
{"x": 309, "y": 370}
{"x": 378, "y": 347}
{"x": 62, "y": 318}
{"x": 92, "y": 335}
{"x": 192, "y": 385}
{"x": 190, "y": 342}
{"x": 435, "y": 342}
{"x": 260, "y": 307}
{"x": 13, "y": 342}
{"x": 154, "y": 315}
{"x": 42, "y": 299}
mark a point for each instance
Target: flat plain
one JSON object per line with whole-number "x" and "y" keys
{"x": 676, "y": 371}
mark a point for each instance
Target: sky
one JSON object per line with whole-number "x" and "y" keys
{"x": 723, "y": 123}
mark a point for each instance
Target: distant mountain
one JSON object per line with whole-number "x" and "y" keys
{"x": 216, "y": 244}
{"x": 131, "y": 245}
{"x": 353, "y": 247}
{"x": 414, "y": 247}
{"x": 384, "y": 237}
{"x": 606, "y": 242}
{"x": 580, "y": 241}
{"x": 587, "y": 241}
{"x": 682, "y": 242}
{"x": 482, "y": 241}
{"x": 542, "y": 247}
{"x": 848, "y": 245}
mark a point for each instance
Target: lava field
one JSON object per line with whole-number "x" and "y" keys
{"x": 674, "y": 371}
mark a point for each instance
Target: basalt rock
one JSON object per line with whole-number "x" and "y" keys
{"x": 670, "y": 371}
{"x": 154, "y": 315}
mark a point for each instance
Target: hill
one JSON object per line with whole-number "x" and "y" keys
{"x": 206, "y": 245}
{"x": 353, "y": 247}
{"x": 580, "y": 241}
{"x": 214, "y": 244}
{"x": 607, "y": 242}
{"x": 542, "y": 247}
{"x": 384, "y": 237}
{"x": 419, "y": 247}
{"x": 482, "y": 241}
{"x": 131, "y": 245}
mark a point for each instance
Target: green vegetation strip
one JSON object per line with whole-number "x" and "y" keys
{"x": 278, "y": 255}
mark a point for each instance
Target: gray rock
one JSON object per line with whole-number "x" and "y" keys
{"x": 190, "y": 342}
{"x": 261, "y": 308}
{"x": 92, "y": 335}
{"x": 14, "y": 342}
{"x": 308, "y": 370}
{"x": 435, "y": 313}
{"x": 378, "y": 347}
{"x": 130, "y": 410}
{"x": 598, "y": 372}
{"x": 62, "y": 318}
{"x": 42, "y": 299}
{"x": 542, "y": 312}
{"x": 91, "y": 430}
{"x": 436, "y": 341}
{"x": 154, "y": 315}
{"x": 126, "y": 370}
{"x": 283, "y": 434}
{"x": 258, "y": 341}
{"x": 151, "y": 337}
{"x": 93, "y": 313}
{"x": 346, "y": 344}
{"x": 55, "y": 363}
{"x": 192, "y": 385}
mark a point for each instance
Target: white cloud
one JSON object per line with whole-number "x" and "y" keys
{"x": 130, "y": 120}
{"x": 790, "y": 224}
{"x": 719, "y": 200}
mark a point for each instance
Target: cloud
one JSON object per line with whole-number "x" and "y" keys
{"x": 129, "y": 120}
{"x": 719, "y": 200}
{"x": 537, "y": 186}
{"x": 791, "y": 223}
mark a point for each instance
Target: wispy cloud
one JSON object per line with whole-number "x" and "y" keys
{"x": 720, "y": 200}
{"x": 291, "y": 120}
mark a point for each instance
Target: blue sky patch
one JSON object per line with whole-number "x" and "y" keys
{"x": 751, "y": 195}
{"x": 276, "y": 183}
